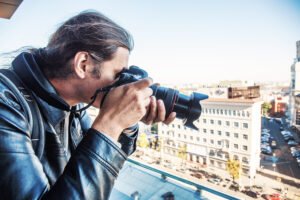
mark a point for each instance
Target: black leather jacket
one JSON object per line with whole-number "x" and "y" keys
{"x": 76, "y": 162}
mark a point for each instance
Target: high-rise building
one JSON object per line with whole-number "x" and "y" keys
{"x": 294, "y": 108}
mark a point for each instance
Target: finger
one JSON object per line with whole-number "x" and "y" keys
{"x": 161, "y": 111}
{"x": 152, "y": 111}
{"x": 146, "y": 93}
{"x": 170, "y": 118}
{"x": 143, "y": 83}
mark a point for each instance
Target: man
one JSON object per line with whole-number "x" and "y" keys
{"x": 56, "y": 152}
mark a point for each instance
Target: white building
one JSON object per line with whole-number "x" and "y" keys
{"x": 294, "y": 108}
{"x": 228, "y": 128}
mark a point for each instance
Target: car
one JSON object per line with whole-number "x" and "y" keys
{"x": 292, "y": 143}
{"x": 296, "y": 154}
{"x": 266, "y": 150}
{"x": 250, "y": 193}
{"x": 286, "y": 133}
{"x": 197, "y": 175}
{"x": 234, "y": 187}
{"x": 214, "y": 180}
{"x": 265, "y": 130}
{"x": 288, "y": 137}
{"x": 273, "y": 144}
{"x": 271, "y": 196}
{"x": 281, "y": 128}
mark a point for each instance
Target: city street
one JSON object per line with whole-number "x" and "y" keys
{"x": 264, "y": 185}
{"x": 281, "y": 160}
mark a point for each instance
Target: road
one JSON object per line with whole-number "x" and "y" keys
{"x": 285, "y": 163}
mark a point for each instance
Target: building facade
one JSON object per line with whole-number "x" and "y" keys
{"x": 294, "y": 108}
{"x": 228, "y": 129}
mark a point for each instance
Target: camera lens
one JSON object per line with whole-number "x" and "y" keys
{"x": 187, "y": 108}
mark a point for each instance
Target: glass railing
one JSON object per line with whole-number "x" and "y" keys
{"x": 140, "y": 181}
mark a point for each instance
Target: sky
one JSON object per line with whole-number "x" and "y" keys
{"x": 191, "y": 41}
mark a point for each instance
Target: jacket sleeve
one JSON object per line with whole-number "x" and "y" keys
{"x": 89, "y": 174}
{"x": 127, "y": 141}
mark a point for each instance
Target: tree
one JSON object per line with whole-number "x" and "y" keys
{"x": 143, "y": 140}
{"x": 233, "y": 167}
{"x": 266, "y": 108}
{"x": 182, "y": 152}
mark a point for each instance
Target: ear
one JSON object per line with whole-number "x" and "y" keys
{"x": 80, "y": 64}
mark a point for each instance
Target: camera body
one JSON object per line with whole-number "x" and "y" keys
{"x": 187, "y": 108}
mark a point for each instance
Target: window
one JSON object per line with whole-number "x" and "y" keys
{"x": 245, "y": 125}
{"x": 221, "y": 111}
{"x": 225, "y": 111}
{"x": 245, "y": 160}
{"x": 245, "y": 137}
{"x": 217, "y": 111}
{"x": 212, "y": 162}
{"x": 204, "y": 130}
{"x": 212, "y": 121}
{"x": 184, "y": 136}
{"x": 245, "y": 148}
{"x": 227, "y": 134}
{"x": 173, "y": 125}
{"x": 191, "y": 137}
{"x": 238, "y": 113}
{"x": 236, "y": 135}
{"x": 213, "y": 111}
{"x": 234, "y": 113}
{"x": 219, "y": 133}
{"x": 204, "y": 140}
{"x": 179, "y": 135}
{"x": 219, "y": 143}
{"x": 212, "y": 141}
{"x": 178, "y": 126}
{"x": 162, "y": 132}
{"x": 229, "y": 112}
{"x": 227, "y": 123}
{"x": 243, "y": 113}
{"x": 211, "y": 131}
{"x": 204, "y": 121}
{"x": 235, "y": 157}
{"x": 236, "y": 146}
{"x": 248, "y": 114}
{"x": 220, "y": 164}
{"x": 236, "y": 124}
{"x": 219, "y": 122}
{"x": 198, "y": 139}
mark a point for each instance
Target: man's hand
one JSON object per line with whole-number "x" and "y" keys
{"x": 123, "y": 107}
{"x": 157, "y": 113}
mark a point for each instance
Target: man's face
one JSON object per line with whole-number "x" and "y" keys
{"x": 108, "y": 73}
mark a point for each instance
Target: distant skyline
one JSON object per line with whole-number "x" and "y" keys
{"x": 192, "y": 41}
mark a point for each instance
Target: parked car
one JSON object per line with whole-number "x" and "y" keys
{"x": 197, "y": 175}
{"x": 234, "y": 187}
{"x": 250, "y": 193}
{"x": 292, "y": 143}
{"x": 296, "y": 154}
{"x": 214, "y": 180}
{"x": 266, "y": 150}
{"x": 273, "y": 144}
{"x": 271, "y": 196}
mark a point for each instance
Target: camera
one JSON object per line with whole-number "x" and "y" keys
{"x": 187, "y": 108}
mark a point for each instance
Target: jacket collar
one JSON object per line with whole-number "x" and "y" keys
{"x": 52, "y": 105}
